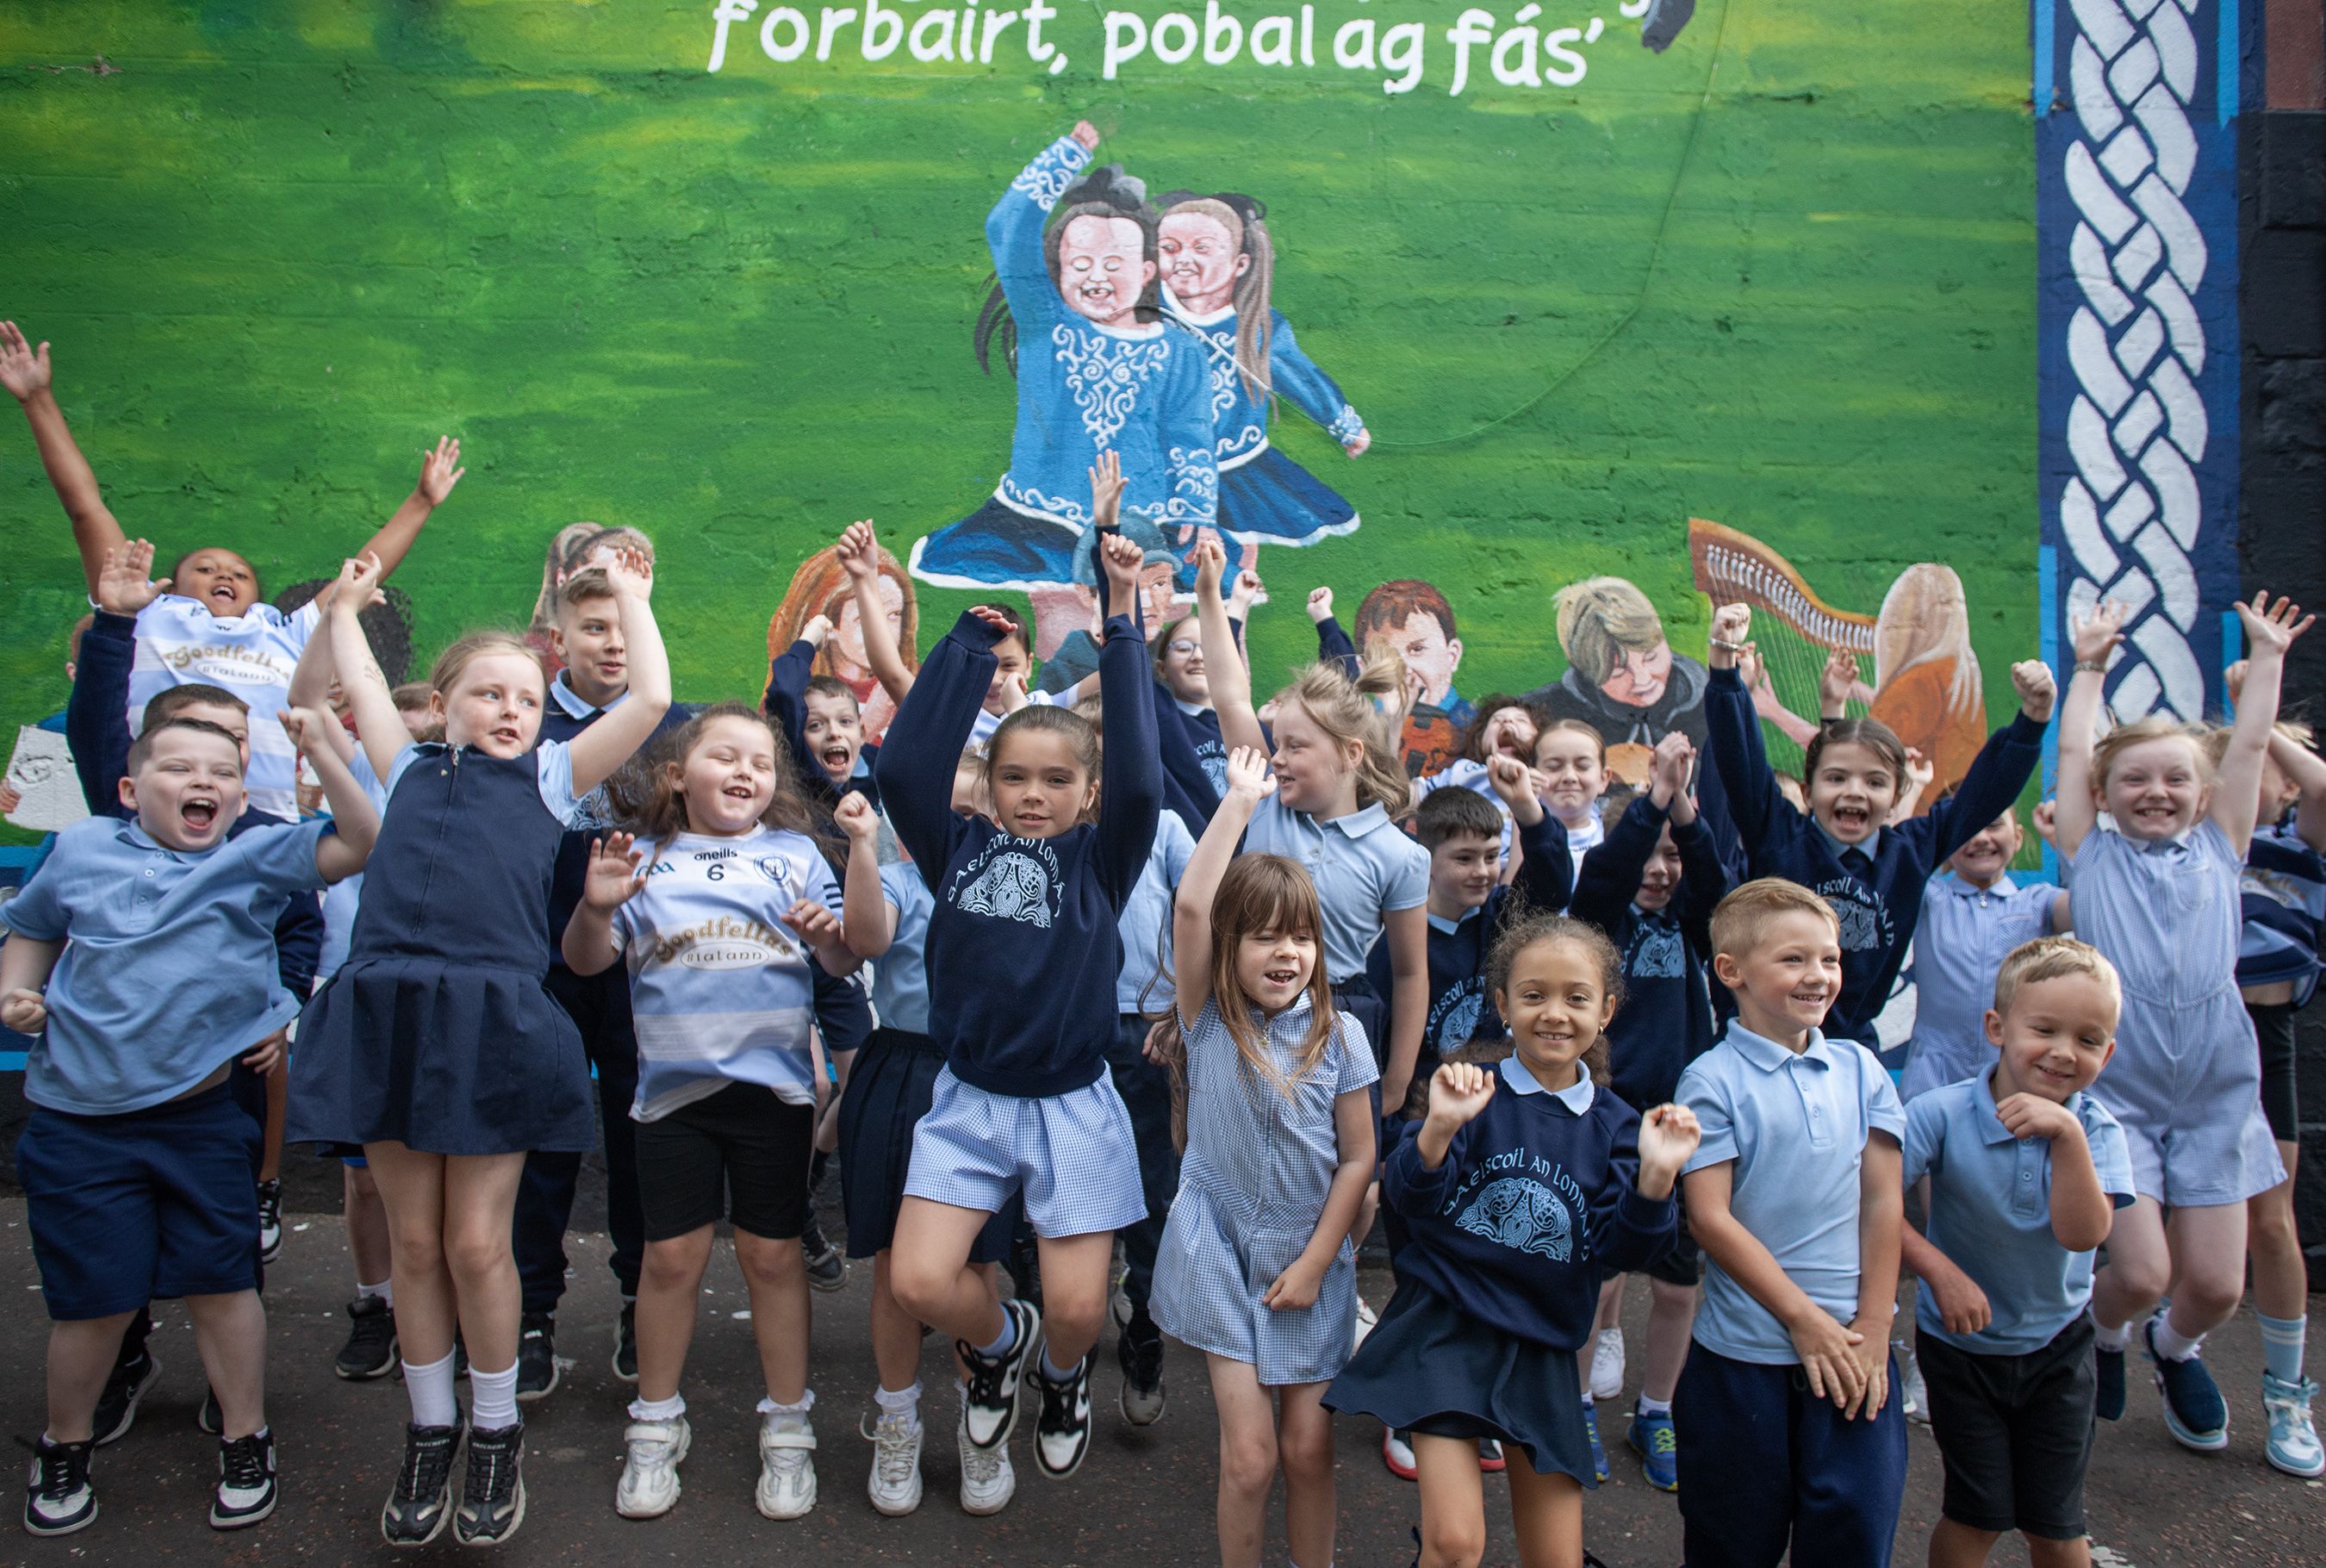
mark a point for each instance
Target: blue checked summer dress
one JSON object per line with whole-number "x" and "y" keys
{"x": 1252, "y": 1187}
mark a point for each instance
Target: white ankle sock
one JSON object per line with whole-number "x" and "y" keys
{"x": 2109, "y": 1339}
{"x": 787, "y": 1417}
{"x": 430, "y": 1390}
{"x": 669, "y": 1409}
{"x": 385, "y": 1290}
{"x": 2172, "y": 1345}
{"x": 1648, "y": 1406}
{"x": 905, "y": 1402}
{"x": 492, "y": 1398}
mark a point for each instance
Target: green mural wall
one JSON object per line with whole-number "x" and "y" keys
{"x": 1779, "y": 274}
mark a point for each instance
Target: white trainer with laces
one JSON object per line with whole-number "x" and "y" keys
{"x": 2293, "y": 1445}
{"x": 787, "y": 1469}
{"x": 895, "y": 1484}
{"x": 1607, "y": 1364}
{"x": 649, "y": 1484}
{"x": 988, "y": 1481}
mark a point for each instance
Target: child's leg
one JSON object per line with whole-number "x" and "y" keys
{"x": 1610, "y": 1305}
{"x": 479, "y": 1201}
{"x": 930, "y": 1271}
{"x": 1671, "y": 1315}
{"x": 2139, "y": 1266}
{"x": 230, "y": 1333}
{"x": 411, "y": 1195}
{"x": 777, "y": 1275}
{"x": 1247, "y": 1460}
{"x": 1074, "y": 1290}
{"x": 366, "y": 1222}
{"x": 2208, "y": 1247}
{"x": 278, "y": 1096}
{"x": 1303, "y": 1445}
{"x": 2075, "y": 1554}
{"x": 670, "y": 1295}
{"x": 2280, "y": 1283}
{"x": 1453, "y": 1501}
{"x": 1546, "y": 1511}
{"x": 81, "y": 1353}
{"x": 1849, "y": 1479}
{"x": 1958, "y": 1546}
{"x": 1737, "y": 1498}
{"x": 896, "y": 1333}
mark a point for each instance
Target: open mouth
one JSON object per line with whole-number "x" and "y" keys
{"x": 1852, "y": 817}
{"x": 508, "y": 735}
{"x": 836, "y": 758}
{"x": 1282, "y": 979}
{"x": 739, "y": 792}
{"x": 224, "y": 594}
{"x": 198, "y": 815}
{"x": 610, "y": 670}
{"x": 1816, "y": 997}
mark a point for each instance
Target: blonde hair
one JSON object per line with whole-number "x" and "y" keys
{"x": 466, "y": 650}
{"x": 1573, "y": 726}
{"x": 2217, "y": 738}
{"x": 1925, "y": 618}
{"x": 1602, "y": 619}
{"x": 2053, "y": 959}
{"x": 2156, "y": 727}
{"x": 569, "y": 549}
{"x": 1352, "y": 710}
{"x": 1738, "y": 919}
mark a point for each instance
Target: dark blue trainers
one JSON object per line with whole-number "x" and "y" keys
{"x": 2194, "y": 1412}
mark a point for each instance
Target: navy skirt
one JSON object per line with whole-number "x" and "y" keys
{"x": 444, "y": 1059}
{"x": 1273, "y": 500}
{"x": 889, "y": 1089}
{"x": 1426, "y": 1367}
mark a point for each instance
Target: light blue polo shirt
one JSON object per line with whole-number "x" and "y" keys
{"x": 1363, "y": 866}
{"x": 1990, "y": 1213}
{"x": 170, "y": 968}
{"x": 1145, "y": 983}
{"x": 900, "y": 976}
{"x": 1796, "y": 1126}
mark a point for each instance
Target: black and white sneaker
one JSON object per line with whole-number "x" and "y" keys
{"x": 370, "y": 1350}
{"x": 116, "y": 1407}
{"x": 1062, "y": 1432}
{"x": 537, "y": 1357}
{"x": 245, "y": 1487}
{"x": 626, "y": 1343}
{"x": 990, "y": 1408}
{"x": 58, "y": 1498}
{"x": 422, "y": 1499}
{"x": 492, "y": 1502}
{"x": 827, "y": 1270}
{"x": 1139, "y": 1349}
{"x": 270, "y": 1221}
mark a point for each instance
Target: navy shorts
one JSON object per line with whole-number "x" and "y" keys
{"x": 2015, "y": 1432}
{"x": 158, "y": 1202}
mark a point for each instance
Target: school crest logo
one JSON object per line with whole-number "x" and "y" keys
{"x": 1655, "y": 954}
{"x": 1522, "y": 1213}
{"x": 1455, "y": 1020}
{"x": 1011, "y": 887}
{"x": 1864, "y": 924}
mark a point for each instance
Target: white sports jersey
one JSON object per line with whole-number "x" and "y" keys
{"x": 180, "y": 643}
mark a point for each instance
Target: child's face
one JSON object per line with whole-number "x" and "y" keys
{"x": 1557, "y": 1004}
{"x": 233, "y": 721}
{"x": 222, "y": 580}
{"x": 1183, "y": 664}
{"x": 1274, "y": 967}
{"x": 1788, "y": 979}
{"x": 1640, "y": 677}
{"x": 727, "y": 777}
{"x": 1660, "y": 878}
{"x": 1462, "y": 871}
{"x": 494, "y": 706}
{"x": 587, "y": 638}
{"x": 2156, "y": 789}
{"x": 835, "y": 732}
{"x": 1103, "y": 268}
{"x": 1572, "y": 774}
{"x": 2058, "y": 1035}
{"x": 1010, "y": 651}
{"x": 1509, "y": 732}
{"x": 1199, "y": 256}
{"x": 1311, "y": 766}
{"x": 1853, "y": 792}
{"x": 1983, "y": 861}
{"x": 1040, "y": 786}
{"x": 189, "y": 792}
{"x": 1431, "y": 656}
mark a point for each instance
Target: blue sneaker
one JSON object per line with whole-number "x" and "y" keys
{"x": 2293, "y": 1445}
{"x": 1591, "y": 1430}
{"x": 2194, "y": 1412}
{"x": 2107, "y": 1396}
{"x": 1651, "y": 1437}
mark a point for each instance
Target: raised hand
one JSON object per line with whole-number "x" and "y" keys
{"x": 123, "y": 587}
{"x": 630, "y": 570}
{"x": 1919, "y": 769}
{"x": 2233, "y": 680}
{"x": 1669, "y": 1135}
{"x": 25, "y": 1011}
{"x": 994, "y": 618}
{"x": 1669, "y": 770}
{"x": 1087, "y": 134}
{"x": 2094, "y": 637}
{"x": 856, "y": 817}
{"x": 1730, "y": 625}
{"x": 23, "y": 369}
{"x": 859, "y": 550}
{"x": 2032, "y": 679}
{"x": 1106, "y": 491}
{"x": 1356, "y": 445}
{"x": 1837, "y": 681}
{"x": 2046, "y": 820}
{"x": 1320, "y": 605}
{"x": 1458, "y": 1091}
{"x": 1241, "y": 597}
{"x": 817, "y": 628}
{"x": 360, "y": 578}
{"x": 306, "y": 728}
{"x": 2272, "y": 628}
{"x": 1122, "y": 558}
{"x": 1211, "y": 565}
{"x": 1248, "y": 774}
{"x": 613, "y": 877}
{"x": 1508, "y": 778}
{"x": 440, "y": 469}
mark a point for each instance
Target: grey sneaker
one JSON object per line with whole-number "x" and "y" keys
{"x": 492, "y": 1502}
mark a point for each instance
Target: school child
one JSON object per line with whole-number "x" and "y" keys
{"x": 436, "y": 1046}
{"x": 1258, "y": 1268}
{"x": 712, "y": 911}
{"x": 1870, "y": 870}
{"x": 822, "y": 722}
{"x": 208, "y": 622}
{"x": 1525, "y": 1183}
{"x": 1785, "y": 1426}
{"x": 860, "y": 552}
{"x": 1022, "y": 949}
{"x": 143, "y": 956}
{"x": 1651, "y": 885}
{"x": 1571, "y": 763}
{"x": 2157, "y": 889}
{"x": 2026, "y": 1173}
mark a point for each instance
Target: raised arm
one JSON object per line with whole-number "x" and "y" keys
{"x": 785, "y": 701}
{"x": 859, "y": 556}
{"x": 1733, "y": 734}
{"x": 866, "y": 917}
{"x": 925, "y": 740}
{"x": 1013, "y": 230}
{"x": 355, "y": 820}
{"x": 1249, "y": 783}
{"x": 1131, "y": 772}
{"x": 1612, "y": 868}
{"x": 611, "y": 881}
{"x": 611, "y": 741}
{"x": 2094, "y": 638}
{"x": 2000, "y": 771}
{"x": 96, "y": 724}
{"x": 1544, "y": 877}
{"x": 1225, "y": 671}
{"x": 377, "y": 723}
{"x": 440, "y": 470}
{"x": 25, "y": 371}
{"x": 2270, "y": 631}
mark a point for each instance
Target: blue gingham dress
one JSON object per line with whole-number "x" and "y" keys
{"x": 2185, "y": 1081}
{"x": 1251, "y": 1187}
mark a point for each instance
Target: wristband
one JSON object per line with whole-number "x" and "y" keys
{"x": 2094, "y": 666}
{"x": 1727, "y": 647}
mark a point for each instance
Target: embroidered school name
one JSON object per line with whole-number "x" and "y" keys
{"x": 1524, "y": 1202}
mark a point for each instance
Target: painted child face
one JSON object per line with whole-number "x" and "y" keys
{"x": 2058, "y": 1035}
{"x": 494, "y": 706}
{"x": 1010, "y": 653}
{"x": 1788, "y": 979}
{"x": 1040, "y": 786}
{"x": 1462, "y": 871}
{"x": 2157, "y": 789}
{"x": 1660, "y": 878}
{"x": 1572, "y": 774}
{"x": 1510, "y": 733}
{"x": 188, "y": 791}
{"x": 1182, "y": 663}
{"x": 1200, "y": 259}
{"x": 587, "y": 638}
{"x": 1853, "y": 792}
{"x": 1640, "y": 677}
{"x": 1983, "y": 861}
{"x": 835, "y": 732}
{"x": 1311, "y": 765}
{"x": 1103, "y": 268}
{"x": 1430, "y": 656}
{"x": 223, "y": 580}
{"x": 727, "y": 777}
{"x": 848, "y": 623}
{"x": 1274, "y": 967}
{"x": 1157, "y": 591}
{"x": 1557, "y": 1004}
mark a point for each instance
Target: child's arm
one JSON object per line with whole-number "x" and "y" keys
{"x": 864, "y": 912}
{"x": 859, "y": 556}
{"x": 1544, "y": 875}
{"x": 1767, "y": 705}
{"x": 440, "y": 470}
{"x": 1130, "y": 767}
{"x": 821, "y": 932}
{"x": 1407, "y": 932}
{"x": 1828, "y": 1351}
{"x": 377, "y": 723}
{"x": 612, "y": 879}
{"x": 1333, "y": 645}
{"x": 1733, "y": 735}
{"x": 2001, "y": 769}
{"x": 25, "y": 371}
{"x": 1837, "y": 684}
{"x": 355, "y": 820}
{"x": 2082, "y": 1210}
{"x": 785, "y": 701}
{"x": 1352, "y": 1131}
{"x": 609, "y": 744}
{"x": 1225, "y": 671}
{"x": 2270, "y": 631}
{"x": 2308, "y": 771}
{"x": 1962, "y": 1305}
{"x": 25, "y": 966}
{"x": 94, "y": 725}
{"x": 1634, "y": 1221}
{"x": 1612, "y": 868}
{"x": 1249, "y": 783}
{"x": 1881, "y": 1215}
{"x": 925, "y": 740}
{"x": 2094, "y": 638}
{"x": 1458, "y": 1092}
{"x": 1920, "y": 772}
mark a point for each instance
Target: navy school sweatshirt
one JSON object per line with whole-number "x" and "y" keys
{"x": 1023, "y": 945}
{"x": 1879, "y": 905}
{"x": 1666, "y": 1020}
{"x": 786, "y": 705}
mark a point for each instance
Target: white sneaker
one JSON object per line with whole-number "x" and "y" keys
{"x": 1913, "y": 1399}
{"x": 786, "y": 1471}
{"x": 987, "y": 1481}
{"x": 1366, "y": 1318}
{"x": 895, "y": 1484}
{"x": 649, "y": 1484}
{"x": 1607, "y": 1364}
